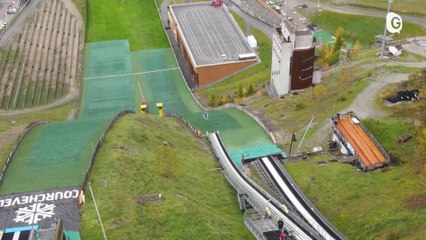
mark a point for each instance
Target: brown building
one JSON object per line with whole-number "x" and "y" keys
{"x": 210, "y": 41}
{"x": 355, "y": 140}
{"x": 293, "y": 55}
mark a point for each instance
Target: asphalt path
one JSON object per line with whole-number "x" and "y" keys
{"x": 254, "y": 22}
{"x": 19, "y": 22}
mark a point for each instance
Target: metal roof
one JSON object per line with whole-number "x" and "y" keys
{"x": 210, "y": 33}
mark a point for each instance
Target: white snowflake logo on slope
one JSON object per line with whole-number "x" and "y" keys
{"x": 34, "y": 213}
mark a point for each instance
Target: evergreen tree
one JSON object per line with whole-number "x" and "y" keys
{"x": 338, "y": 44}
{"x": 251, "y": 89}
{"x": 213, "y": 100}
{"x": 240, "y": 93}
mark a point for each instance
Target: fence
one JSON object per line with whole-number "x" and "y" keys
{"x": 257, "y": 197}
{"x": 101, "y": 141}
{"x": 196, "y": 132}
{"x": 12, "y": 11}
{"x": 81, "y": 75}
{"x": 26, "y": 130}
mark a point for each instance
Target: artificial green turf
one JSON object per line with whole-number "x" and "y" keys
{"x": 134, "y": 20}
{"x": 361, "y": 28}
{"x": 159, "y": 84}
{"x": 198, "y": 204}
{"x": 53, "y": 156}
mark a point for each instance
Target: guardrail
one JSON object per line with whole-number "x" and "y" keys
{"x": 194, "y": 130}
{"x": 258, "y": 234}
{"x": 300, "y": 201}
{"x": 256, "y": 196}
{"x": 21, "y": 136}
{"x": 101, "y": 141}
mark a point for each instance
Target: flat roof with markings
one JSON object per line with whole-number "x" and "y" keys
{"x": 210, "y": 33}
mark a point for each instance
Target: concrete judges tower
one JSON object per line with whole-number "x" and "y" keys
{"x": 293, "y": 54}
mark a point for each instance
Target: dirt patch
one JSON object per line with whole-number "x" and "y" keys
{"x": 416, "y": 202}
{"x": 11, "y": 135}
{"x": 71, "y": 114}
{"x": 148, "y": 198}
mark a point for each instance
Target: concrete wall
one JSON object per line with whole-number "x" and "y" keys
{"x": 304, "y": 41}
{"x": 280, "y": 65}
{"x": 317, "y": 76}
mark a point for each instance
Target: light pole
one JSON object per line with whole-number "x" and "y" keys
{"x": 285, "y": 10}
{"x": 384, "y": 32}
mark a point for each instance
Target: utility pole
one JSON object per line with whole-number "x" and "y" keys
{"x": 293, "y": 139}
{"x": 285, "y": 10}
{"x": 97, "y": 212}
{"x": 301, "y": 141}
{"x": 384, "y": 32}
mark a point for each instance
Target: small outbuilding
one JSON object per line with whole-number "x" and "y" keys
{"x": 395, "y": 50}
{"x": 252, "y": 41}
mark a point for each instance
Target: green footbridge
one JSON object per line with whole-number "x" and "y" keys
{"x": 58, "y": 154}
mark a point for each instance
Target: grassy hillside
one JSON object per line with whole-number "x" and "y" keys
{"x": 134, "y": 20}
{"x": 407, "y": 7}
{"x": 150, "y": 155}
{"x": 361, "y": 28}
{"x": 372, "y": 205}
{"x": 375, "y": 205}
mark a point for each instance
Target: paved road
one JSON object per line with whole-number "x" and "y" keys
{"x": 367, "y": 12}
{"x": 254, "y": 22}
{"x": 19, "y": 22}
{"x": 364, "y": 104}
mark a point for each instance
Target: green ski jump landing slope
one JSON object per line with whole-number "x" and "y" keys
{"x": 58, "y": 154}
{"x": 157, "y": 72}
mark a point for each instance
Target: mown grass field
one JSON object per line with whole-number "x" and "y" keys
{"x": 136, "y": 21}
{"x": 407, "y": 7}
{"x": 361, "y": 28}
{"x": 136, "y": 161}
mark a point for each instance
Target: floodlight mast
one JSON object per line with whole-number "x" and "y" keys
{"x": 384, "y": 32}
{"x": 285, "y": 10}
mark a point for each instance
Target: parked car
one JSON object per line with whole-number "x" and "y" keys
{"x": 11, "y": 10}
{"x": 2, "y": 25}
